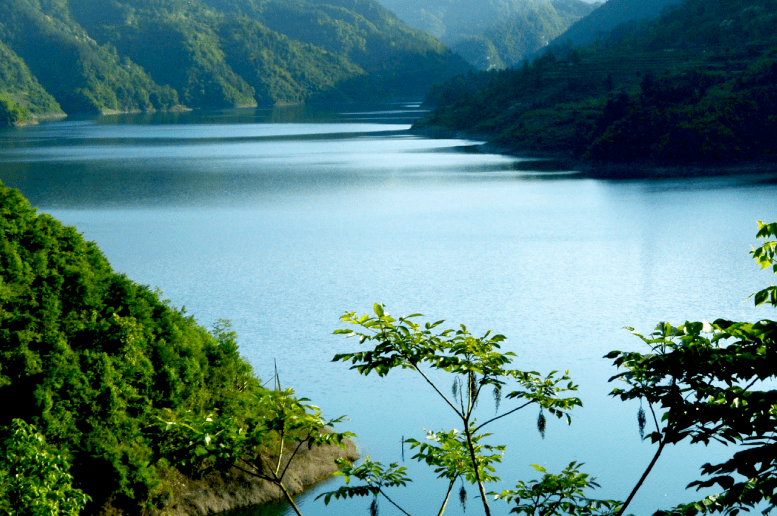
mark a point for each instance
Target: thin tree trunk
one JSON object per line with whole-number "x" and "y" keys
{"x": 394, "y": 503}
{"x": 642, "y": 479}
{"x": 475, "y": 468}
{"x": 447, "y": 496}
{"x": 289, "y": 498}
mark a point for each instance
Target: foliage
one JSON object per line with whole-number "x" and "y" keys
{"x": 91, "y": 358}
{"x": 375, "y": 476}
{"x": 206, "y": 442}
{"x": 711, "y": 382}
{"x": 492, "y": 34}
{"x": 18, "y": 84}
{"x": 474, "y": 364}
{"x": 448, "y": 454}
{"x": 557, "y": 494}
{"x": 694, "y": 86}
{"x": 134, "y": 55}
{"x": 765, "y": 256}
{"x": 82, "y": 75}
{"x": 11, "y": 112}
{"x": 34, "y": 478}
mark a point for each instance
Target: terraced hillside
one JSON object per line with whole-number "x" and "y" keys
{"x": 698, "y": 84}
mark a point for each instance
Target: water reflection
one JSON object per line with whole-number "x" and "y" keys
{"x": 235, "y": 158}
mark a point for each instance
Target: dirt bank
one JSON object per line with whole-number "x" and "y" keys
{"x": 226, "y": 491}
{"x": 219, "y": 492}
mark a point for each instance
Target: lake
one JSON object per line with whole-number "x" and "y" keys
{"x": 282, "y": 219}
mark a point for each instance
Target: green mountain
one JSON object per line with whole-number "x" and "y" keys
{"x": 22, "y": 91}
{"x": 612, "y": 14}
{"x": 492, "y": 34}
{"x": 82, "y": 75}
{"x": 92, "y": 358}
{"x": 137, "y": 55}
{"x": 697, "y": 85}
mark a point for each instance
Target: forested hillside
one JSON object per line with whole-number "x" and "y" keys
{"x": 138, "y": 55}
{"x": 492, "y": 34}
{"x": 90, "y": 357}
{"x": 22, "y": 93}
{"x": 697, "y": 85}
{"x": 612, "y": 14}
{"x": 98, "y": 374}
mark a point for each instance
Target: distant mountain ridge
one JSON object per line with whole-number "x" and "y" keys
{"x": 492, "y": 33}
{"x": 612, "y": 14}
{"x": 139, "y": 55}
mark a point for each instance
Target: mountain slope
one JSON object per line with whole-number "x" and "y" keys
{"x": 492, "y": 33}
{"x": 18, "y": 83}
{"x": 610, "y": 15}
{"x": 695, "y": 88}
{"x": 394, "y": 56}
{"x": 81, "y": 75}
{"x": 134, "y": 55}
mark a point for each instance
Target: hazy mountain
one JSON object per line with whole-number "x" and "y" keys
{"x": 492, "y": 33}
{"x": 130, "y": 55}
{"x": 610, "y": 15}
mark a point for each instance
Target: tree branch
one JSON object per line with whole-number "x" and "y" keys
{"x": 280, "y": 449}
{"x": 477, "y": 429}
{"x": 289, "y": 498}
{"x": 642, "y": 479}
{"x": 288, "y": 463}
{"x": 438, "y": 391}
{"x": 394, "y": 503}
{"x": 655, "y": 419}
{"x": 447, "y": 495}
{"x": 475, "y": 468}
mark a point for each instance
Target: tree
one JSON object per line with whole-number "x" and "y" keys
{"x": 474, "y": 363}
{"x": 262, "y": 445}
{"x": 34, "y": 478}
{"x": 712, "y": 383}
{"x": 701, "y": 382}
{"x": 11, "y": 112}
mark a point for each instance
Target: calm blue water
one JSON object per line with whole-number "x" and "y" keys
{"x": 280, "y": 220}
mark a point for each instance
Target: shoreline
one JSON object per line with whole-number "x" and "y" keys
{"x": 225, "y": 491}
{"x": 607, "y": 170}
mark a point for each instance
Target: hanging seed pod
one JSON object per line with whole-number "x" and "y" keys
{"x": 455, "y": 388}
{"x": 374, "y": 507}
{"x": 463, "y": 497}
{"x": 541, "y": 424}
{"x": 403, "y": 448}
{"x": 497, "y": 397}
{"x": 641, "y": 420}
{"x": 472, "y": 389}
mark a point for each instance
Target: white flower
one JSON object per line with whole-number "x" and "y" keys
{"x": 706, "y": 327}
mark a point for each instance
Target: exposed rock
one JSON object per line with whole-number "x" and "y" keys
{"x": 219, "y": 492}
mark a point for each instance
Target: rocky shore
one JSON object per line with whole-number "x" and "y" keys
{"x": 220, "y": 492}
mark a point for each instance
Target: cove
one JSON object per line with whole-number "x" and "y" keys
{"x": 280, "y": 220}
